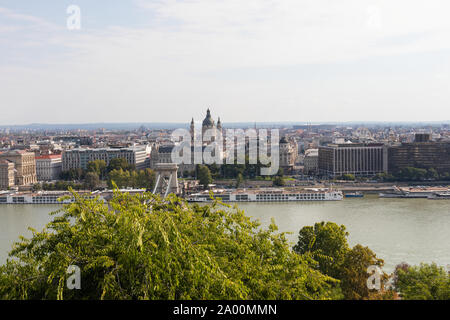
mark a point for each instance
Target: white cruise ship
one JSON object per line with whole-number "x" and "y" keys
{"x": 267, "y": 195}
{"x": 41, "y": 197}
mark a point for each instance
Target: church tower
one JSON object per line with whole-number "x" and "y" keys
{"x": 208, "y": 123}
{"x": 192, "y": 131}
{"x": 219, "y": 125}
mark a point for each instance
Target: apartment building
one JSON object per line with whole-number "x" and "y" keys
{"x": 80, "y": 157}
{"x": 358, "y": 159}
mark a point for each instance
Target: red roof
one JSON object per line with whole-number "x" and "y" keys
{"x": 49, "y": 156}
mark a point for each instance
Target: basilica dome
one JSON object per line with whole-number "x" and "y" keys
{"x": 208, "y": 121}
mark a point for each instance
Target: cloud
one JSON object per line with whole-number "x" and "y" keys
{"x": 12, "y": 15}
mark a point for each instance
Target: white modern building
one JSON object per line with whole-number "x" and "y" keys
{"x": 80, "y": 157}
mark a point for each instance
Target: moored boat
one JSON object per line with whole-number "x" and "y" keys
{"x": 439, "y": 196}
{"x": 267, "y": 195}
{"x": 413, "y": 192}
{"x": 354, "y": 195}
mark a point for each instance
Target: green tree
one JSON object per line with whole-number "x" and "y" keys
{"x": 278, "y": 181}
{"x": 97, "y": 166}
{"x": 72, "y": 174}
{"x": 146, "y": 179}
{"x": 411, "y": 174}
{"x": 204, "y": 175}
{"x": 92, "y": 180}
{"x": 119, "y": 177}
{"x": 327, "y": 243}
{"x": 117, "y": 164}
{"x": 423, "y": 282}
{"x": 432, "y": 174}
{"x": 353, "y": 273}
{"x": 348, "y": 177}
{"x": 135, "y": 179}
{"x": 143, "y": 247}
{"x": 239, "y": 180}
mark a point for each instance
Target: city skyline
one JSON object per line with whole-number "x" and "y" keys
{"x": 166, "y": 61}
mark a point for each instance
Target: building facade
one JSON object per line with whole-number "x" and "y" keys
{"x": 48, "y": 167}
{"x": 311, "y": 162}
{"x": 24, "y": 166}
{"x": 288, "y": 154}
{"x": 422, "y": 153}
{"x": 6, "y": 174}
{"x": 352, "y": 158}
{"x": 79, "y": 158}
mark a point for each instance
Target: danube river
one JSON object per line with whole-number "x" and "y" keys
{"x": 397, "y": 230}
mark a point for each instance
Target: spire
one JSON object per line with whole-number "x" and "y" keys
{"x": 219, "y": 124}
{"x": 192, "y": 121}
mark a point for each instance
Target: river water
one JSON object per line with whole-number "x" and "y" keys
{"x": 397, "y": 230}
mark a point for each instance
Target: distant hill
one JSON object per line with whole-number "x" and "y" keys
{"x": 172, "y": 125}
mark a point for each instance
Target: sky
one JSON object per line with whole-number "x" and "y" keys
{"x": 247, "y": 60}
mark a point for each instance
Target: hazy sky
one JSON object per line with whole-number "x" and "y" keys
{"x": 249, "y": 60}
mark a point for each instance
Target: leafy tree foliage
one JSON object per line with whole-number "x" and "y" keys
{"x": 327, "y": 244}
{"x": 63, "y": 186}
{"x": 353, "y": 272}
{"x": 142, "y": 247}
{"x": 414, "y": 174}
{"x": 72, "y": 174}
{"x": 278, "y": 181}
{"x": 424, "y": 282}
{"x": 92, "y": 180}
{"x": 204, "y": 175}
{"x": 119, "y": 163}
{"x": 97, "y": 166}
{"x": 135, "y": 179}
{"x": 239, "y": 180}
{"x": 347, "y": 177}
{"x": 232, "y": 171}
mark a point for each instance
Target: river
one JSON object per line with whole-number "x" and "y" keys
{"x": 397, "y": 230}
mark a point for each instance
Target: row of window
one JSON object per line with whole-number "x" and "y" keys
{"x": 297, "y": 196}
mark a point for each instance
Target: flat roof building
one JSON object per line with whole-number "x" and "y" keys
{"x": 425, "y": 155}
{"x": 79, "y": 158}
{"x": 48, "y": 167}
{"x": 359, "y": 159}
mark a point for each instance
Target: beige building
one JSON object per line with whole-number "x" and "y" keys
{"x": 288, "y": 154}
{"x": 311, "y": 161}
{"x": 24, "y": 164}
{"x": 6, "y": 174}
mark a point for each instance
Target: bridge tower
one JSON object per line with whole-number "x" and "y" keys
{"x": 166, "y": 179}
